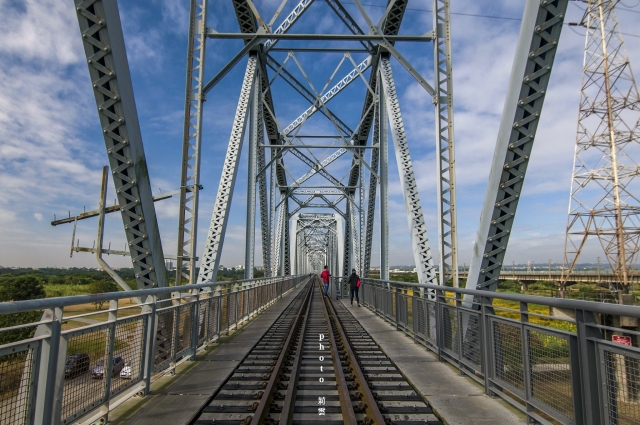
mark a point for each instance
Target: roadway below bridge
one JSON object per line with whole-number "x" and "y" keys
{"x": 404, "y": 381}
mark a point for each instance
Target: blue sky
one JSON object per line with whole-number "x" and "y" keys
{"x": 52, "y": 152}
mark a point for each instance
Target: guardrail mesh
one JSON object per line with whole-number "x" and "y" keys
{"x": 164, "y": 339}
{"x": 450, "y": 327}
{"x": 84, "y": 387}
{"x": 128, "y": 345}
{"x": 471, "y": 339}
{"x": 533, "y": 360}
{"x": 402, "y": 313}
{"x": 108, "y": 354}
{"x": 419, "y": 319}
{"x": 507, "y": 355}
{"x": 185, "y": 317}
{"x": 224, "y": 315}
{"x": 233, "y": 304}
{"x": 203, "y": 313}
{"x": 550, "y": 371}
{"x": 622, "y": 386}
{"x": 17, "y": 383}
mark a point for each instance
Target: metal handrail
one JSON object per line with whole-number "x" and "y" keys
{"x": 44, "y": 303}
{"x": 580, "y": 374}
{"x": 36, "y": 386}
{"x": 596, "y": 307}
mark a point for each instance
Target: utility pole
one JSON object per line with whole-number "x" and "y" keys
{"x": 603, "y": 201}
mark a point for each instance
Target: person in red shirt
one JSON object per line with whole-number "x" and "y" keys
{"x": 325, "y": 279}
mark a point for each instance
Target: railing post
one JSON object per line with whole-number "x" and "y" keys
{"x": 526, "y": 363}
{"x": 195, "y": 327}
{"x": 439, "y": 322}
{"x": 459, "y": 330}
{"x": 50, "y": 369}
{"x": 486, "y": 346}
{"x": 396, "y": 304}
{"x": 591, "y": 401}
{"x": 108, "y": 370}
{"x": 148, "y": 348}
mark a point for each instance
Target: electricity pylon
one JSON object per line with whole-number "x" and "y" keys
{"x": 603, "y": 188}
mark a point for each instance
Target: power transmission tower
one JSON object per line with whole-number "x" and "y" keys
{"x": 603, "y": 187}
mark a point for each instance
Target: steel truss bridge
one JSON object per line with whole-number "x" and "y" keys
{"x": 298, "y": 171}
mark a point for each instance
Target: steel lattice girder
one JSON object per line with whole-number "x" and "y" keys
{"x": 109, "y": 72}
{"x": 417, "y": 227}
{"x": 297, "y": 86}
{"x": 347, "y": 251}
{"x": 220, "y": 215}
{"x": 371, "y": 204}
{"x": 447, "y": 235}
{"x": 535, "y": 54}
{"x": 191, "y": 141}
{"x": 297, "y": 11}
{"x": 256, "y": 137}
{"x": 247, "y": 14}
{"x": 265, "y": 223}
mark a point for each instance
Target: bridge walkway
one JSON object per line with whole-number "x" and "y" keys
{"x": 176, "y": 400}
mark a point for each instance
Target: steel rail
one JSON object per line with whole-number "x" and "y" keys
{"x": 290, "y": 395}
{"x": 343, "y": 393}
{"x": 267, "y": 396}
{"x": 371, "y": 405}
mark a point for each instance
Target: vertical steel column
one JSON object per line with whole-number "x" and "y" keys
{"x": 278, "y": 245}
{"x": 355, "y": 257}
{"x": 348, "y": 243}
{"x": 109, "y": 72}
{"x": 415, "y": 217}
{"x": 373, "y": 186}
{"x": 255, "y": 139}
{"x": 362, "y": 213}
{"x": 191, "y": 141}
{"x": 265, "y": 222}
{"x": 220, "y": 215}
{"x": 286, "y": 248}
{"x": 535, "y": 53}
{"x": 384, "y": 179}
{"x": 447, "y": 224}
{"x": 341, "y": 245}
{"x": 294, "y": 242}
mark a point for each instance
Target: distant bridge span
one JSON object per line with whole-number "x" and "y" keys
{"x": 556, "y": 276}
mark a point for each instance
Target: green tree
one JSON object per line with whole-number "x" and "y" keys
{"x": 56, "y": 280}
{"x": 101, "y": 287}
{"x": 19, "y": 288}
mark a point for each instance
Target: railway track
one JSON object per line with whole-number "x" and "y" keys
{"x": 316, "y": 364}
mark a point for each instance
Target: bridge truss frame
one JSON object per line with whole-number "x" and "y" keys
{"x": 347, "y": 200}
{"x": 102, "y": 35}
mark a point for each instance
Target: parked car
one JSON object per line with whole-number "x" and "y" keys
{"x": 76, "y": 364}
{"x": 98, "y": 368}
{"x": 125, "y": 373}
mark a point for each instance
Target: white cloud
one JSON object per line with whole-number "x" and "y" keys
{"x": 38, "y": 216}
